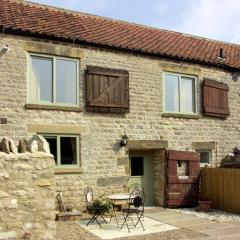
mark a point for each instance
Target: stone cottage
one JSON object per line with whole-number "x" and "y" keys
{"x": 90, "y": 85}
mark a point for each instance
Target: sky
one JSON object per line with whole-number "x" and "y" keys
{"x": 216, "y": 19}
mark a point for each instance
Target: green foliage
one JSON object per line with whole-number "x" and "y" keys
{"x": 106, "y": 205}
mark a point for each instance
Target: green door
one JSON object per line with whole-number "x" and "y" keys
{"x": 141, "y": 171}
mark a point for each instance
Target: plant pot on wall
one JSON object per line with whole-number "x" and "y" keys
{"x": 204, "y": 205}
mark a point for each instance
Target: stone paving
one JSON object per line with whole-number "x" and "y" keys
{"x": 214, "y": 230}
{"x": 191, "y": 227}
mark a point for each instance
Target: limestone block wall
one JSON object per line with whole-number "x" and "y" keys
{"x": 27, "y": 196}
{"x": 159, "y": 160}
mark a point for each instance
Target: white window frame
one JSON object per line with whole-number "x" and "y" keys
{"x": 179, "y": 92}
{"x": 58, "y": 159}
{"x": 53, "y": 58}
{"x": 209, "y": 151}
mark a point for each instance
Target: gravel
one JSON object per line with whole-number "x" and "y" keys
{"x": 213, "y": 215}
{"x": 72, "y": 231}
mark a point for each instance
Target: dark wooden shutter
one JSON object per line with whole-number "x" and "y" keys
{"x": 215, "y": 99}
{"x": 107, "y": 90}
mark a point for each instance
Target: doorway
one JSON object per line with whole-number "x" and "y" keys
{"x": 141, "y": 171}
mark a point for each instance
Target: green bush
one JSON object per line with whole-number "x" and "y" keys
{"x": 106, "y": 205}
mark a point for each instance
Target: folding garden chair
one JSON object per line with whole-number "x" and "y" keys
{"x": 94, "y": 211}
{"x": 135, "y": 187}
{"x": 135, "y": 207}
{"x": 65, "y": 213}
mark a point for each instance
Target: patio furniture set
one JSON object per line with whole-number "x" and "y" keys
{"x": 133, "y": 214}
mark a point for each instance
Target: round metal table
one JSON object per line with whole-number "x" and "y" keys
{"x": 114, "y": 198}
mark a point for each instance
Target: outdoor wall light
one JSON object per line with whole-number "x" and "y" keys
{"x": 5, "y": 48}
{"x": 124, "y": 141}
{"x": 235, "y": 76}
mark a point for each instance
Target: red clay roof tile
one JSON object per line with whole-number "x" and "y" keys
{"x": 19, "y": 16}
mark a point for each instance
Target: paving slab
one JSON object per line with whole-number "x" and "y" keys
{"x": 186, "y": 218}
{"x": 170, "y": 217}
{"x": 223, "y": 232}
{"x": 234, "y": 223}
{"x": 208, "y": 225}
{"x": 228, "y": 230}
{"x": 163, "y": 214}
{"x": 233, "y": 237}
{"x": 111, "y": 230}
{"x": 188, "y": 223}
{"x": 202, "y": 238}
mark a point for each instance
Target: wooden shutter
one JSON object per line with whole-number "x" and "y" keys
{"x": 215, "y": 99}
{"x": 107, "y": 90}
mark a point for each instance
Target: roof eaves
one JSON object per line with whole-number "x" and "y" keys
{"x": 79, "y": 41}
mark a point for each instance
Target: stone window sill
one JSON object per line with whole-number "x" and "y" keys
{"x": 53, "y": 107}
{"x": 67, "y": 170}
{"x": 180, "y": 115}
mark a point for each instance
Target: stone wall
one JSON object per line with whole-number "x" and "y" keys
{"x": 100, "y": 133}
{"x": 159, "y": 161}
{"x": 27, "y": 196}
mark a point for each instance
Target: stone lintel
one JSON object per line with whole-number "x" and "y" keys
{"x": 147, "y": 144}
{"x": 56, "y": 128}
{"x": 181, "y": 68}
{"x": 53, "y": 49}
{"x": 105, "y": 182}
{"x": 203, "y": 145}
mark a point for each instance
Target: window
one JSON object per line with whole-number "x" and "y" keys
{"x": 137, "y": 166}
{"x": 179, "y": 93}
{"x": 53, "y": 80}
{"x": 205, "y": 157}
{"x": 65, "y": 149}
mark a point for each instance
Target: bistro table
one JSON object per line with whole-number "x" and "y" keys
{"x": 116, "y": 198}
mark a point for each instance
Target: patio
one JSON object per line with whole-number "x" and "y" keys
{"x": 163, "y": 224}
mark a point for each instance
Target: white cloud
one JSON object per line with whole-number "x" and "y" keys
{"x": 217, "y": 19}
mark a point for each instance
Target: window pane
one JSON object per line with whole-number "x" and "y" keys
{"x": 68, "y": 150}
{"x": 205, "y": 157}
{"x": 41, "y": 81}
{"x": 171, "y": 93}
{"x": 66, "y": 81}
{"x": 137, "y": 166}
{"x": 187, "y": 98}
{"x": 53, "y": 146}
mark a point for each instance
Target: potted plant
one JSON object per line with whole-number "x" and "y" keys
{"x": 105, "y": 205}
{"x": 204, "y": 204}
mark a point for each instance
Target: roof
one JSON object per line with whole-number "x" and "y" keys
{"x": 20, "y": 17}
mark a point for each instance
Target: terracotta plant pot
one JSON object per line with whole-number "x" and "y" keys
{"x": 204, "y": 205}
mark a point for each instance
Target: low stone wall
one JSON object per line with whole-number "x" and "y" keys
{"x": 27, "y": 196}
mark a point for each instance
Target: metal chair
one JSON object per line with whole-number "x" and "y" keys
{"x": 94, "y": 211}
{"x": 135, "y": 207}
{"x": 135, "y": 187}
